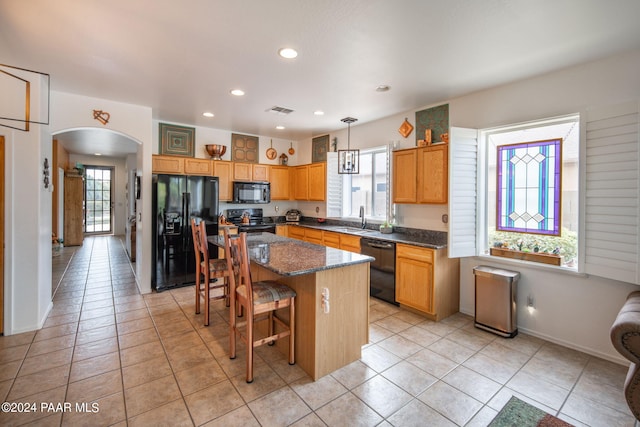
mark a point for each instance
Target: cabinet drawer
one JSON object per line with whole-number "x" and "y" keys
{"x": 349, "y": 242}
{"x": 313, "y": 236}
{"x": 331, "y": 239}
{"x": 295, "y": 232}
{"x": 414, "y": 252}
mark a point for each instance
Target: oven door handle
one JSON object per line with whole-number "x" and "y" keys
{"x": 380, "y": 245}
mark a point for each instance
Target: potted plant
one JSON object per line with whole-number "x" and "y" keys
{"x": 386, "y": 228}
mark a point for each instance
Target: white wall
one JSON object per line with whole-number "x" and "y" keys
{"x": 27, "y": 273}
{"x": 71, "y": 111}
{"x": 119, "y": 181}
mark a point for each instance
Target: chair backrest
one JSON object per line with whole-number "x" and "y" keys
{"x": 195, "y": 234}
{"x": 237, "y": 257}
{"x": 203, "y": 243}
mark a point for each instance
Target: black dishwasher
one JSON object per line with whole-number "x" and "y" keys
{"x": 383, "y": 269}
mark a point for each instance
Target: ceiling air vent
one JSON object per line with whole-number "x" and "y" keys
{"x": 280, "y": 110}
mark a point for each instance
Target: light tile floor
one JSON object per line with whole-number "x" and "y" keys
{"x": 146, "y": 360}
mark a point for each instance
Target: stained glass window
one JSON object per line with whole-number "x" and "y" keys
{"x": 529, "y": 177}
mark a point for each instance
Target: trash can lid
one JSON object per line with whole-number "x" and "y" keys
{"x": 485, "y": 270}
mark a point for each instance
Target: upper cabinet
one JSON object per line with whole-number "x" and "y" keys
{"x": 280, "y": 187}
{"x": 198, "y": 167}
{"x": 310, "y": 181}
{"x": 167, "y": 164}
{"x": 250, "y": 172}
{"x": 420, "y": 175}
{"x": 224, "y": 171}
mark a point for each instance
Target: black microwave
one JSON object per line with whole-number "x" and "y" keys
{"x": 251, "y": 192}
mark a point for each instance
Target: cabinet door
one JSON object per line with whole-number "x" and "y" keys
{"x": 260, "y": 173}
{"x": 295, "y": 232}
{"x": 404, "y": 176}
{"x": 301, "y": 182}
{"x": 281, "y": 230}
{"x": 198, "y": 167}
{"x": 331, "y": 239}
{"x": 224, "y": 171}
{"x": 317, "y": 181}
{"x": 279, "y": 177}
{"x": 350, "y": 243}
{"x": 242, "y": 172}
{"x": 433, "y": 174}
{"x": 414, "y": 277}
{"x": 167, "y": 164}
{"x": 73, "y": 214}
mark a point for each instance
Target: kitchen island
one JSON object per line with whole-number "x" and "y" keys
{"x": 328, "y": 336}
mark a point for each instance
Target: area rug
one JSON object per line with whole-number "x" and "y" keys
{"x": 517, "y": 413}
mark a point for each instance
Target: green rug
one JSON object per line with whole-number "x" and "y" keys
{"x": 517, "y": 413}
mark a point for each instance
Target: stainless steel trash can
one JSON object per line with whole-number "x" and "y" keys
{"x": 496, "y": 291}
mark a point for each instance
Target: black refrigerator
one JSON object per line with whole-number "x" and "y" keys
{"x": 177, "y": 199}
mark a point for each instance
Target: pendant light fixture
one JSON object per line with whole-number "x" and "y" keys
{"x": 349, "y": 160}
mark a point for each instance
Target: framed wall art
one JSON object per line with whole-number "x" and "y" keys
{"x": 319, "y": 146}
{"x": 177, "y": 140}
{"x": 244, "y": 148}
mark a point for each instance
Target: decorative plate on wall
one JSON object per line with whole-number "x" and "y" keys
{"x": 406, "y": 128}
{"x": 244, "y": 148}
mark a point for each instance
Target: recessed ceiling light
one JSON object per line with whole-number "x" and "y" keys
{"x": 208, "y": 114}
{"x": 288, "y": 53}
{"x": 237, "y": 92}
{"x": 382, "y": 88}
{"x": 279, "y": 127}
{"x": 97, "y": 154}
{"x": 318, "y": 113}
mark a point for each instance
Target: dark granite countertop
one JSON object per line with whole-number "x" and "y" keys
{"x": 292, "y": 257}
{"x": 424, "y": 238}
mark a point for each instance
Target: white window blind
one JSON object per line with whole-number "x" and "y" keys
{"x": 611, "y": 181}
{"x": 334, "y": 187}
{"x": 463, "y": 162}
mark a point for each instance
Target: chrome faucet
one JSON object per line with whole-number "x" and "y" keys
{"x": 364, "y": 221}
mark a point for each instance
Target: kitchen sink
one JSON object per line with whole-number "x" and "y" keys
{"x": 351, "y": 230}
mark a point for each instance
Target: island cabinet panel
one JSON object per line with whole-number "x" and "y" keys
{"x": 404, "y": 176}
{"x": 224, "y": 171}
{"x": 326, "y": 342}
{"x": 167, "y": 164}
{"x": 198, "y": 167}
{"x": 280, "y": 186}
{"x": 73, "y": 211}
{"x": 427, "y": 280}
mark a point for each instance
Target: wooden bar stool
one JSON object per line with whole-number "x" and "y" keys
{"x": 259, "y": 300}
{"x": 215, "y": 271}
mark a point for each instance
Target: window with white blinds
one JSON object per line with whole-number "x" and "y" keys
{"x": 611, "y": 183}
{"x": 334, "y": 187}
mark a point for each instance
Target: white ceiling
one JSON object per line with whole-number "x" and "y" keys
{"x": 183, "y": 58}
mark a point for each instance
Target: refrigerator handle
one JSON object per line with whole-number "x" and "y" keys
{"x": 186, "y": 228}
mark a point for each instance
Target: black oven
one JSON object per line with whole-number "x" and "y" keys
{"x": 251, "y": 192}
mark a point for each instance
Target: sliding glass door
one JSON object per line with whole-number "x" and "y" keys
{"x": 98, "y": 196}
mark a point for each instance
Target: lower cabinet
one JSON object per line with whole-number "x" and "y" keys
{"x": 427, "y": 280}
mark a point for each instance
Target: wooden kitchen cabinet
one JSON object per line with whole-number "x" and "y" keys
{"x": 350, "y": 243}
{"x": 310, "y": 181}
{"x": 282, "y": 230}
{"x": 224, "y": 171}
{"x": 433, "y": 174}
{"x": 250, "y": 172}
{"x": 313, "y": 235}
{"x": 167, "y": 164}
{"x": 73, "y": 210}
{"x": 420, "y": 175}
{"x": 280, "y": 186}
{"x": 404, "y": 176}
{"x": 427, "y": 280}
{"x": 317, "y": 181}
{"x": 301, "y": 182}
{"x": 331, "y": 239}
{"x": 295, "y": 232}
{"x": 198, "y": 167}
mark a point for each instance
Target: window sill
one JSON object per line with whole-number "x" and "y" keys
{"x": 512, "y": 263}
{"x": 541, "y": 258}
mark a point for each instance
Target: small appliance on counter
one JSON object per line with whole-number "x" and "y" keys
{"x": 293, "y": 215}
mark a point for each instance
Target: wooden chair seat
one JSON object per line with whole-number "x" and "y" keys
{"x": 258, "y": 300}
{"x": 216, "y": 276}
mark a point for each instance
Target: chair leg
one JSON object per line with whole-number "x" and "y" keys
{"x": 292, "y": 329}
{"x": 270, "y": 327}
{"x": 249, "y": 348}
{"x": 207, "y": 298}
{"x": 198, "y": 292}
{"x": 232, "y": 328}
